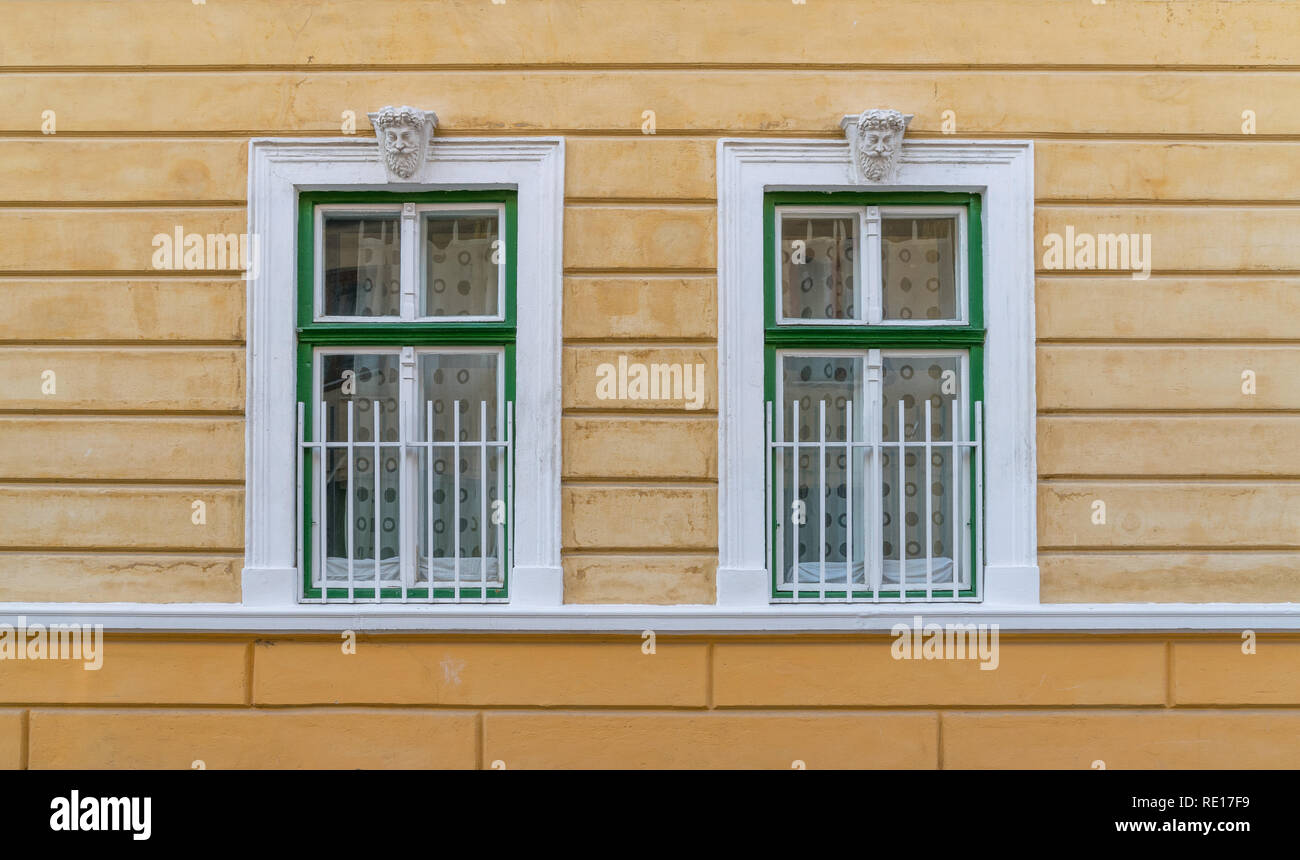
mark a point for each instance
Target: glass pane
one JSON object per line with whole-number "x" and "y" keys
{"x": 470, "y": 378}
{"x": 363, "y": 265}
{"x": 463, "y": 256}
{"x": 817, "y": 280}
{"x": 913, "y": 381}
{"x": 809, "y": 380}
{"x": 920, "y": 275}
{"x": 369, "y": 382}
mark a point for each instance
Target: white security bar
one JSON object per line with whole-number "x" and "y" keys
{"x": 431, "y": 577}
{"x": 927, "y": 577}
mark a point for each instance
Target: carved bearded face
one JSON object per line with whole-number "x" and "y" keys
{"x": 401, "y": 143}
{"x": 403, "y": 134}
{"x": 878, "y": 146}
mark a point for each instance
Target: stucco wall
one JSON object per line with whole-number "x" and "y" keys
{"x": 1053, "y": 702}
{"x": 1136, "y": 109}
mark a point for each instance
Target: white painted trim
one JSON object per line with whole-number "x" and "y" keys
{"x": 1003, "y": 171}
{"x": 278, "y": 170}
{"x": 785, "y": 618}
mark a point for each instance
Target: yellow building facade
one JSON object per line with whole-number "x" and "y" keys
{"x": 1145, "y": 610}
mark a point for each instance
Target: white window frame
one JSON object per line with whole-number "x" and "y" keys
{"x": 1002, "y": 172}
{"x": 278, "y": 171}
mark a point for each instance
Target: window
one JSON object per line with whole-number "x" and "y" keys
{"x": 406, "y": 378}
{"x": 335, "y": 202}
{"x": 874, "y": 328}
{"x": 866, "y": 296}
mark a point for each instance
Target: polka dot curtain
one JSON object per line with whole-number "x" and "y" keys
{"x": 462, "y": 256}
{"x": 367, "y": 382}
{"x": 817, "y": 255}
{"x": 362, "y": 271}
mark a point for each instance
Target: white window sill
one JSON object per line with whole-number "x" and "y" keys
{"x": 633, "y": 619}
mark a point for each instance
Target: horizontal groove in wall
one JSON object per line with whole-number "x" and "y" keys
{"x": 701, "y": 709}
{"x": 147, "y": 348}
{"x": 634, "y": 272}
{"x": 121, "y": 485}
{"x": 156, "y": 205}
{"x": 509, "y": 68}
{"x": 568, "y": 551}
{"x": 1222, "y": 204}
{"x": 152, "y": 483}
{"x": 646, "y": 203}
{"x": 174, "y": 343}
{"x": 649, "y": 417}
{"x": 1165, "y": 413}
{"x": 622, "y": 483}
{"x": 134, "y": 551}
{"x": 230, "y": 278}
{"x": 1141, "y": 480}
{"x": 1156, "y": 550}
{"x": 1125, "y": 276}
{"x": 656, "y": 202}
{"x": 1114, "y": 202}
{"x": 1181, "y": 478}
{"x": 629, "y": 413}
{"x": 1124, "y": 552}
{"x": 125, "y": 274}
{"x": 1156, "y": 341}
{"x": 118, "y": 552}
{"x": 615, "y": 202}
{"x": 165, "y": 207}
{"x": 124, "y": 413}
{"x": 649, "y": 343}
{"x": 657, "y": 553}
{"x": 1160, "y": 346}
{"x": 1172, "y": 273}
{"x": 638, "y": 341}
{"x": 160, "y": 417}
{"x": 659, "y": 203}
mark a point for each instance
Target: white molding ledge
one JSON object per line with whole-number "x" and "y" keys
{"x": 1003, "y": 172}
{"x": 1058, "y": 618}
{"x": 278, "y": 170}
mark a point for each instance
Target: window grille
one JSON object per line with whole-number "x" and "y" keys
{"x": 850, "y": 495}
{"x": 450, "y": 505}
